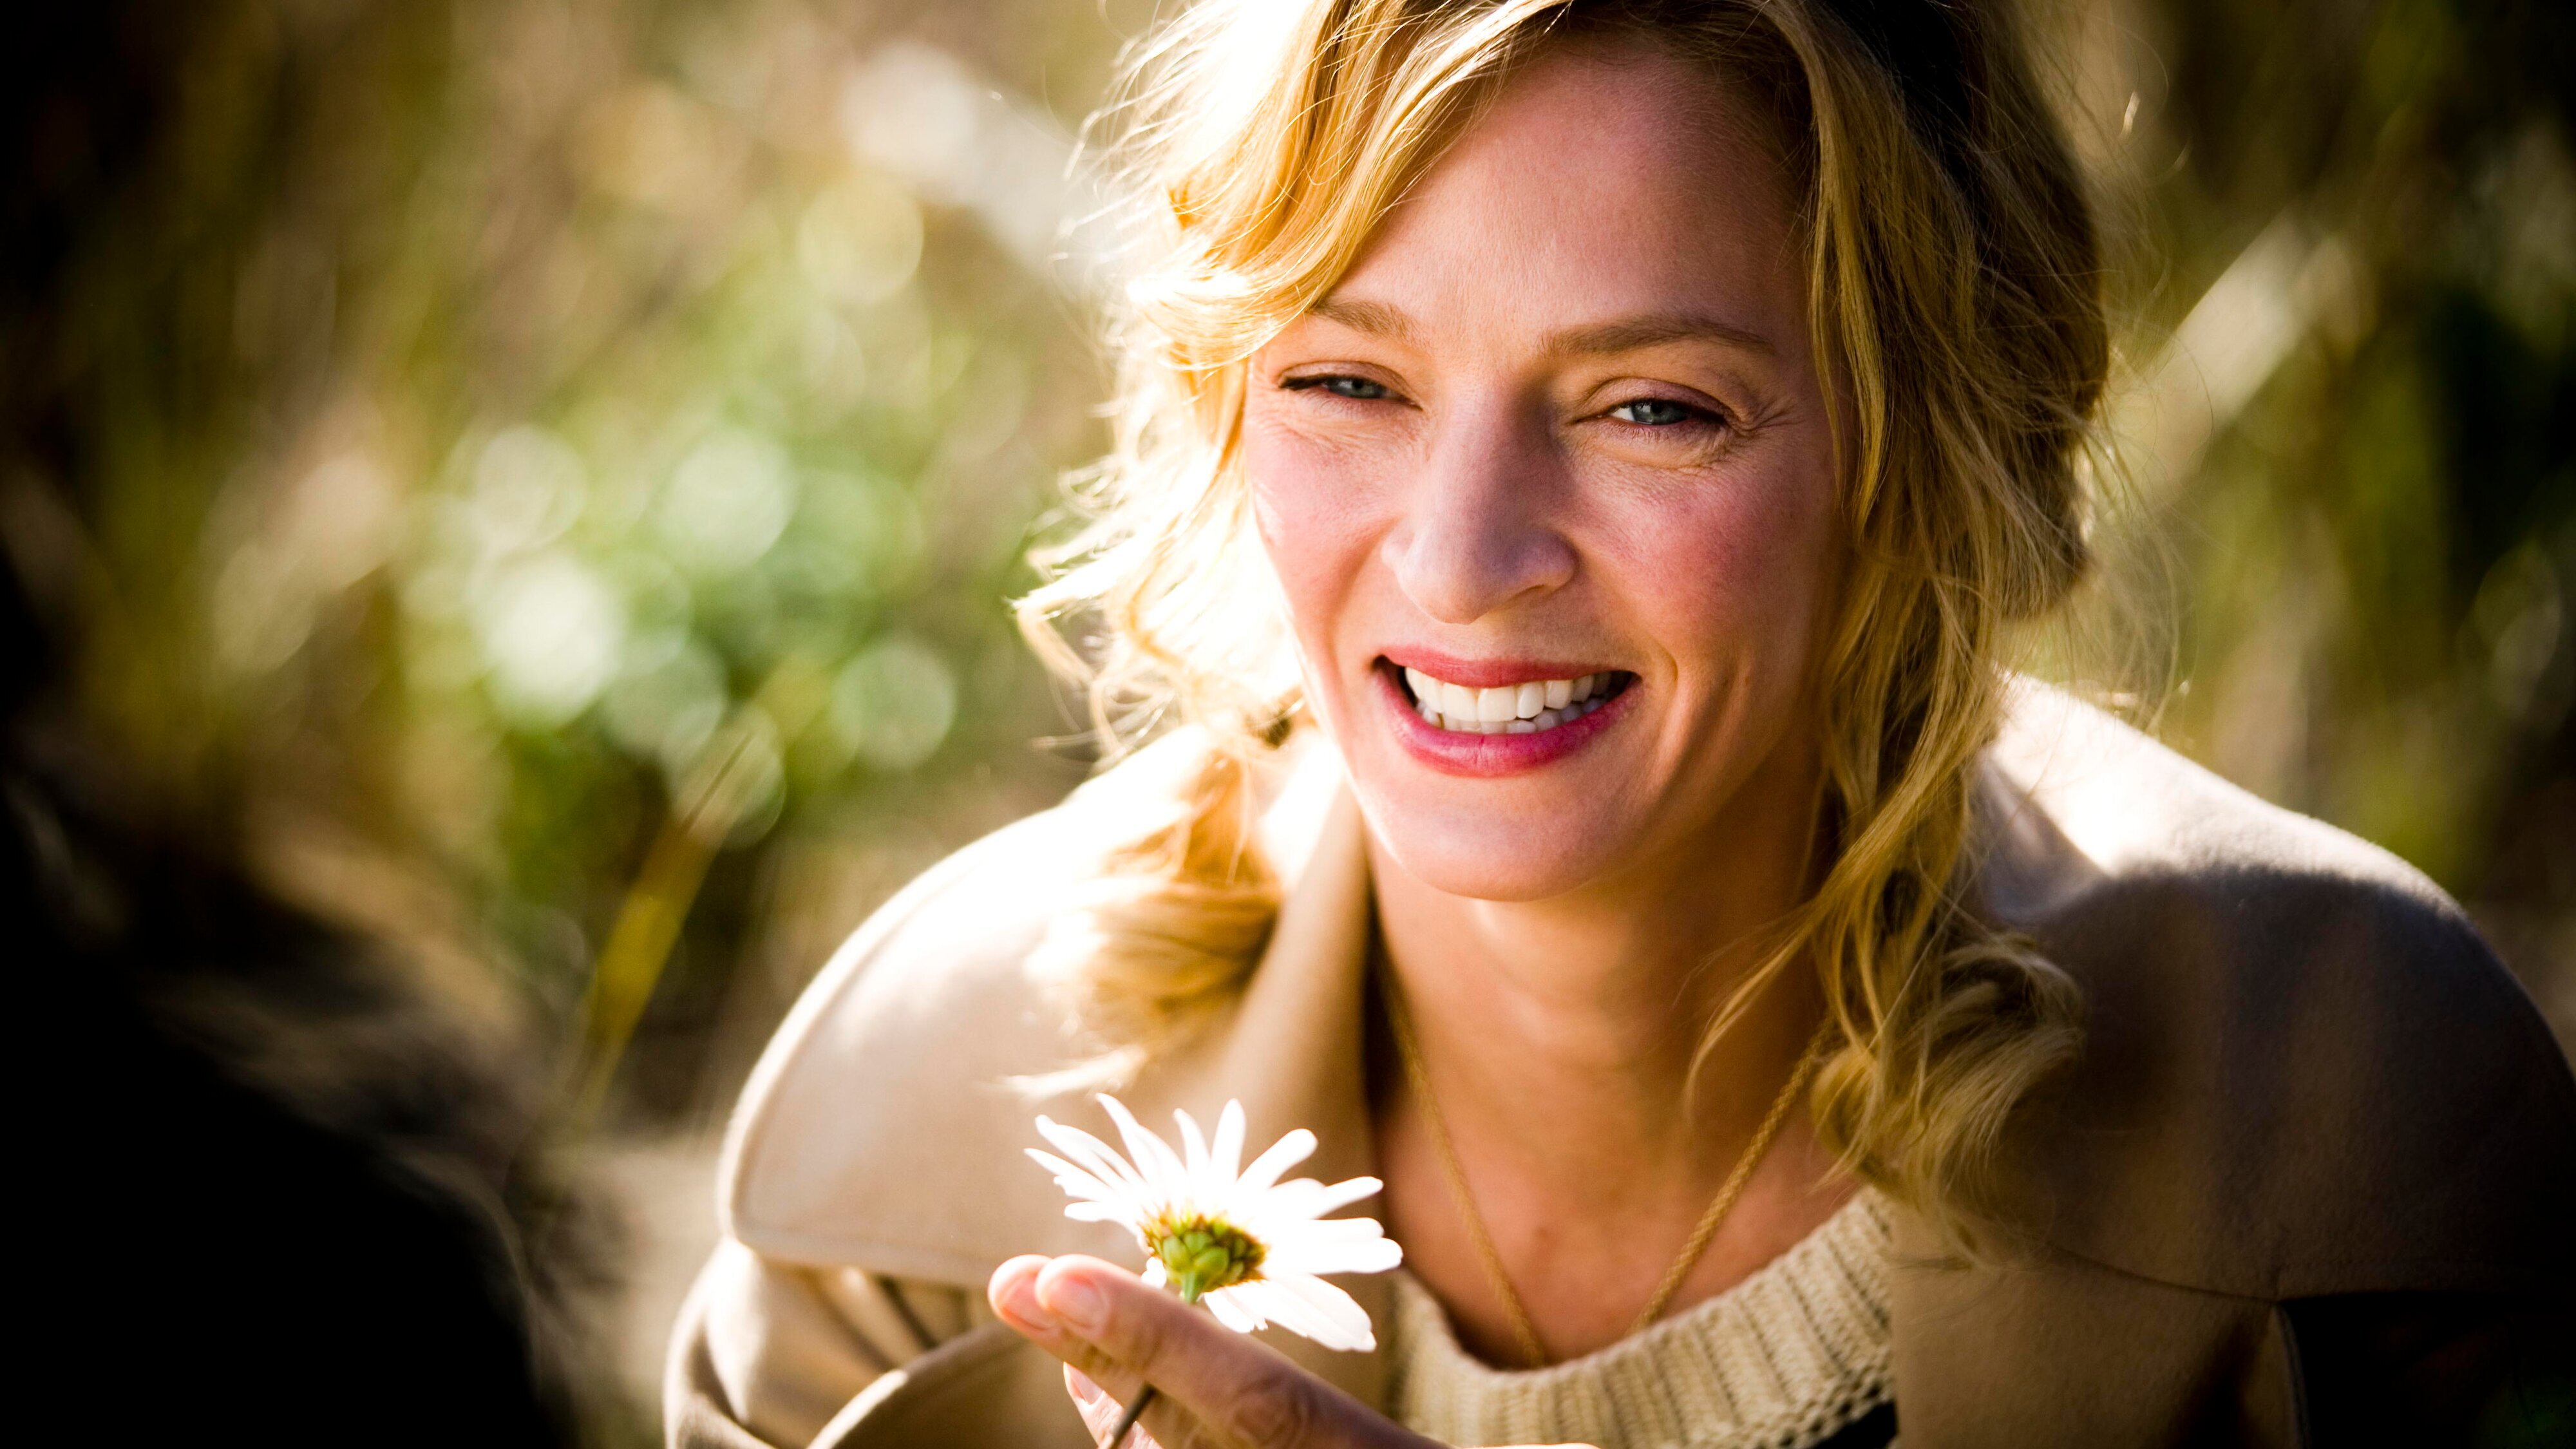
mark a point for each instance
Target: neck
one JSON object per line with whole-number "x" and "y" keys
{"x": 1562, "y": 1041}
{"x": 1587, "y": 1011}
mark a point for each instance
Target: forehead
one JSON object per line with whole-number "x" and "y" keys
{"x": 1601, "y": 181}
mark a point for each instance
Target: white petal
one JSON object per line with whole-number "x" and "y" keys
{"x": 1329, "y": 1230}
{"x": 1085, "y": 1189}
{"x": 1194, "y": 1150}
{"x": 1227, "y": 1305}
{"x": 1343, "y": 1194}
{"x": 1261, "y": 1301}
{"x": 1226, "y": 1157}
{"x": 1340, "y": 1322}
{"x": 1312, "y": 1308}
{"x": 1119, "y": 1213}
{"x": 1091, "y": 1152}
{"x": 1076, "y": 1180}
{"x": 1371, "y": 1254}
{"x": 1154, "y": 1275}
{"x": 1289, "y": 1201}
{"x": 1151, "y": 1154}
{"x": 1284, "y": 1154}
{"x": 1307, "y": 1198}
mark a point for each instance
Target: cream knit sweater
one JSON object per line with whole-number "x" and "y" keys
{"x": 1779, "y": 1361}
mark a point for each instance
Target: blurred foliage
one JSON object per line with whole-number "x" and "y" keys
{"x": 2345, "y": 506}
{"x": 532, "y": 436}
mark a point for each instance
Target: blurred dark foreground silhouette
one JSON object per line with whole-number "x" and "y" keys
{"x": 276, "y": 1192}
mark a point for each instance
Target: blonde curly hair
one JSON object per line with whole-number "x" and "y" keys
{"x": 1953, "y": 296}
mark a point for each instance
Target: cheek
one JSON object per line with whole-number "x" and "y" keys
{"x": 1735, "y": 577}
{"x": 1316, "y": 510}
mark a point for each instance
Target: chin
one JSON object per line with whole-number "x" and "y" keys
{"x": 1484, "y": 854}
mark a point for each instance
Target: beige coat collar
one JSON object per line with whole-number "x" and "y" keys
{"x": 2257, "y": 982}
{"x": 883, "y": 1127}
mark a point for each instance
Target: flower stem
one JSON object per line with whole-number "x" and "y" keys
{"x": 1136, "y": 1408}
{"x": 1127, "y": 1421}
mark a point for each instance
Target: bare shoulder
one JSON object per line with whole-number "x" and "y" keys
{"x": 2304, "y": 1071}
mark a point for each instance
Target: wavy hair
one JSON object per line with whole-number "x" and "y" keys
{"x": 1953, "y": 294}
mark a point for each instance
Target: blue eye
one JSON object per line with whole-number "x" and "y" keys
{"x": 1657, "y": 412}
{"x": 1357, "y": 389}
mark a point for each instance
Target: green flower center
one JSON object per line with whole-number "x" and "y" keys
{"x": 1203, "y": 1254}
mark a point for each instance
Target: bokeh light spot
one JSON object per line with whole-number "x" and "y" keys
{"x": 667, "y": 701}
{"x": 727, "y": 503}
{"x": 894, "y": 703}
{"x": 859, "y": 241}
{"x": 551, "y": 630}
{"x": 528, "y": 488}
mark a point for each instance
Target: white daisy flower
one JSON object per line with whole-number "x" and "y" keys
{"x": 1249, "y": 1246}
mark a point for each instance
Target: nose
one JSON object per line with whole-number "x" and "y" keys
{"x": 1478, "y": 532}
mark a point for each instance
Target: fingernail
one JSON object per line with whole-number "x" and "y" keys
{"x": 1077, "y": 1303}
{"x": 1084, "y": 1389}
{"x": 1021, "y": 1305}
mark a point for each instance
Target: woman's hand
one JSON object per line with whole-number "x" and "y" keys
{"x": 1216, "y": 1389}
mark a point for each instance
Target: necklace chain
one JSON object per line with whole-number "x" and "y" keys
{"x": 1533, "y": 1352}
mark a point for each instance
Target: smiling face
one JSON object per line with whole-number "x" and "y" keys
{"x": 1559, "y": 433}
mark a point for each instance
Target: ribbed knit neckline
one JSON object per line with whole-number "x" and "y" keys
{"x": 1779, "y": 1361}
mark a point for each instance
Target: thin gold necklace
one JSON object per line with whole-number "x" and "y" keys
{"x": 1533, "y": 1353}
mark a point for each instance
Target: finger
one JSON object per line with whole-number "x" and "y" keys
{"x": 1015, "y": 1283}
{"x": 1013, "y": 1294}
{"x": 1247, "y": 1393}
{"x": 1012, "y": 1291}
{"x": 1102, "y": 1415}
{"x": 1098, "y": 1410}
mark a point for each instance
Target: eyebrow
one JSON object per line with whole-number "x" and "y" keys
{"x": 1630, "y": 334}
{"x": 1626, "y": 334}
{"x": 1373, "y": 317}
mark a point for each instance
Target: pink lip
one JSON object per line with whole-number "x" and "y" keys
{"x": 1487, "y": 756}
{"x": 1488, "y": 673}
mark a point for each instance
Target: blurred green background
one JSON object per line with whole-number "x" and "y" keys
{"x": 548, "y": 472}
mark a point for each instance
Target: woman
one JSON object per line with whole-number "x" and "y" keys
{"x": 1578, "y": 463}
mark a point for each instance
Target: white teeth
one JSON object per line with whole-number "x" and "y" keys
{"x": 1520, "y": 709}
